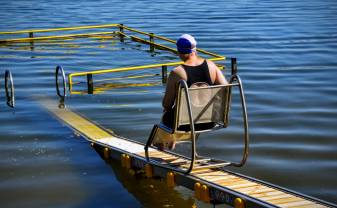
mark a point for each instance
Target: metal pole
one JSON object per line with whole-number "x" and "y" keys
{"x": 245, "y": 122}
{"x": 121, "y": 29}
{"x": 151, "y": 35}
{"x": 90, "y": 84}
{"x": 64, "y": 87}
{"x": 234, "y": 66}
{"x": 9, "y": 88}
{"x": 31, "y": 35}
{"x": 164, "y": 74}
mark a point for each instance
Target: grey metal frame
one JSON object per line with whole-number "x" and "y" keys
{"x": 58, "y": 70}
{"x": 234, "y": 81}
{"x": 9, "y": 88}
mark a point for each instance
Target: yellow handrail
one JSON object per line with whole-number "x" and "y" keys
{"x": 59, "y": 29}
{"x": 55, "y": 37}
{"x": 167, "y": 39}
{"x": 146, "y": 33}
{"x": 152, "y": 43}
{"x": 121, "y": 27}
{"x": 103, "y": 71}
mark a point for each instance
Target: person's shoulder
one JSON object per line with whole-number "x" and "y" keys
{"x": 178, "y": 69}
{"x": 212, "y": 67}
{"x": 211, "y": 64}
{"x": 178, "y": 73}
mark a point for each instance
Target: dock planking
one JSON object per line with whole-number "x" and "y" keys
{"x": 224, "y": 186}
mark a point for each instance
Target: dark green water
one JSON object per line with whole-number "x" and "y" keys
{"x": 287, "y": 60}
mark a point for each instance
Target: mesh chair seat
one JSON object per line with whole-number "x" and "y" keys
{"x": 200, "y": 110}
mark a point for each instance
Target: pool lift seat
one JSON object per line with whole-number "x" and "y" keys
{"x": 199, "y": 110}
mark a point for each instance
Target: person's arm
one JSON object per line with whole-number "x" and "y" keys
{"x": 216, "y": 74}
{"x": 170, "y": 91}
{"x": 220, "y": 78}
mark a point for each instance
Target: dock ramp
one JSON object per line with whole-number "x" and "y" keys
{"x": 217, "y": 186}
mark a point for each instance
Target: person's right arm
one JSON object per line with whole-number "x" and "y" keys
{"x": 170, "y": 91}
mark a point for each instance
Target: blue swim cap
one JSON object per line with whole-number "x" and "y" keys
{"x": 186, "y": 44}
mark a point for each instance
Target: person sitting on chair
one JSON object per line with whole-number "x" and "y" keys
{"x": 194, "y": 70}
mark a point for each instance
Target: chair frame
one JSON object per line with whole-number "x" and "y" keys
{"x": 235, "y": 81}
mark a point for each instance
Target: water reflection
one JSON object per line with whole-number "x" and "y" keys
{"x": 150, "y": 192}
{"x": 286, "y": 54}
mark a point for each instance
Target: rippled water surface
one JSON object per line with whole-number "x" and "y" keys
{"x": 286, "y": 54}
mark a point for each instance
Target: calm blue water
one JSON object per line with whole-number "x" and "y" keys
{"x": 286, "y": 52}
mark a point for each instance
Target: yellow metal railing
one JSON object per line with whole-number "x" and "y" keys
{"x": 121, "y": 31}
{"x": 132, "y": 68}
{"x": 55, "y": 37}
{"x": 168, "y": 40}
{"x": 60, "y": 29}
{"x": 32, "y": 32}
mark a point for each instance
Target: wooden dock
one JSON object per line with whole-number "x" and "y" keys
{"x": 210, "y": 185}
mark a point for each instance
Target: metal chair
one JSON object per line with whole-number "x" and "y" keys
{"x": 199, "y": 110}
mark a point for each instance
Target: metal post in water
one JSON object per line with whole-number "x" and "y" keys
{"x": 234, "y": 66}
{"x": 31, "y": 35}
{"x": 121, "y": 29}
{"x": 164, "y": 73}
{"x": 152, "y": 41}
{"x": 90, "y": 84}
{"x": 9, "y": 88}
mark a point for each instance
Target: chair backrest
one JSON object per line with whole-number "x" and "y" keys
{"x": 210, "y": 104}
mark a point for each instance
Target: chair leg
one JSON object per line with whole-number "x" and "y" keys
{"x": 149, "y": 141}
{"x": 196, "y": 138}
{"x": 193, "y": 156}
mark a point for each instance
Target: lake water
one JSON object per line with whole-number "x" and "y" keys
{"x": 286, "y": 53}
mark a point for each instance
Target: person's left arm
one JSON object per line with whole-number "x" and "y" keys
{"x": 216, "y": 74}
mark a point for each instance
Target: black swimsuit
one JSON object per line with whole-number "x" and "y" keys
{"x": 194, "y": 74}
{"x": 198, "y": 73}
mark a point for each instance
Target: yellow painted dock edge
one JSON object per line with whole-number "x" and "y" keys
{"x": 210, "y": 185}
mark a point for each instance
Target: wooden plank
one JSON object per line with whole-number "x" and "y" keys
{"x": 268, "y": 194}
{"x": 178, "y": 160}
{"x": 224, "y": 180}
{"x": 214, "y": 173}
{"x": 201, "y": 171}
{"x": 155, "y": 153}
{"x": 248, "y": 186}
{"x": 297, "y": 203}
{"x": 280, "y": 195}
{"x": 217, "y": 179}
{"x": 262, "y": 189}
{"x": 250, "y": 190}
{"x": 242, "y": 185}
{"x": 231, "y": 181}
{"x": 286, "y": 200}
{"x": 228, "y": 181}
{"x": 313, "y": 205}
{"x": 168, "y": 157}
